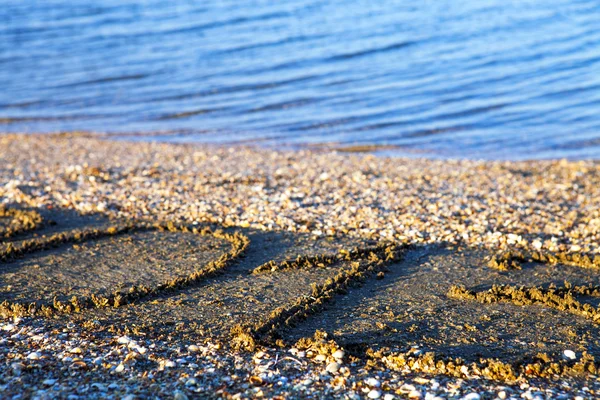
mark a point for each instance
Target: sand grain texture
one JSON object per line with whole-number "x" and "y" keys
{"x": 150, "y": 269}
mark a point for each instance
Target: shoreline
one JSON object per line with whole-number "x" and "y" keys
{"x": 538, "y": 220}
{"x": 381, "y": 150}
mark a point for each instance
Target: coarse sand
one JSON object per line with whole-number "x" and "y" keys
{"x": 134, "y": 269}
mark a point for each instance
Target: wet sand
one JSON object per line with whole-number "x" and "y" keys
{"x": 140, "y": 269}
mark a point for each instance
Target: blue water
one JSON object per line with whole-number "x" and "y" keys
{"x": 505, "y": 79}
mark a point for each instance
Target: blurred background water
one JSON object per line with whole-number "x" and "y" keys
{"x": 504, "y": 79}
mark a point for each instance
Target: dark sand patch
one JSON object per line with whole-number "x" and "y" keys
{"x": 410, "y": 308}
{"x": 214, "y": 307}
{"x": 101, "y": 266}
{"x": 47, "y": 222}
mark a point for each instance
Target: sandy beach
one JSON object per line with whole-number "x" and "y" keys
{"x": 152, "y": 270}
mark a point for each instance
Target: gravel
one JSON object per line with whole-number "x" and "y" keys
{"x": 543, "y": 205}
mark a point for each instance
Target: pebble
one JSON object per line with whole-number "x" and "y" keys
{"x": 179, "y": 395}
{"x": 338, "y": 354}
{"x": 373, "y": 382}
{"x": 119, "y": 368}
{"x": 407, "y": 388}
{"x": 333, "y": 367}
{"x": 472, "y": 396}
{"x": 49, "y": 382}
{"x": 123, "y": 340}
{"x": 100, "y": 387}
{"x": 16, "y": 368}
{"x": 569, "y": 355}
{"x": 34, "y": 355}
{"x": 374, "y": 394}
{"x": 193, "y": 348}
{"x": 527, "y": 395}
{"x": 389, "y": 396}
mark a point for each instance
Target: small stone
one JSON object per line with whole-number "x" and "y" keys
{"x": 502, "y": 395}
{"x": 17, "y": 368}
{"x": 333, "y": 367}
{"x": 193, "y": 348}
{"x": 415, "y": 394}
{"x": 34, "y": 355}
{"x": 124, "y": 340}
{"x": 569, "y": 355}
{"x": 389, "y": 396}
{"x": 339, "y": 354}
{"x": 472, "y": 396}
{"x": 527, "y": 395}
{"x": 191, "y": 382}
{"x": 169, "y": 364}
{"x": 407, "y": 388}
{"x": 79, "y": 364}
{"x": 320, "y": 358}
{"x": 179, "y": 395}
{"x": 49, "y": 382}
{"x": 120, "y": 368}
{"x": 76, "y": 350}
{"x": 256, "y": 380}
{"x": 373, "y": 382}
{"x": 512, "y": 238}
{"x": 100, "y": 387}
{"x": 374, "y": 394}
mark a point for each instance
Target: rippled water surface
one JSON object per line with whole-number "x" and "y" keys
{"x": 442, "y": 78}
